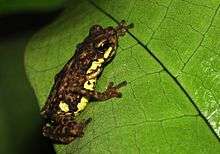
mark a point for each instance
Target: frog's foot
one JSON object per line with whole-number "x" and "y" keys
{"x": 64, "y": 134}
{"x": 123, "y": 27}
{"x": 112, "y": 91}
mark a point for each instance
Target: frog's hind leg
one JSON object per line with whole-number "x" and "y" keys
{"x": 64, "y": 129}
{"x": 57, "y": 134}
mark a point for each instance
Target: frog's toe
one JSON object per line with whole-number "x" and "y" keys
{"x": 122, "y": 84}
{"x": 87, "y": 121}
{"x": 119, "y": 95}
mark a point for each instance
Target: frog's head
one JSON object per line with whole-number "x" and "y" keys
{"x": 105, "y": 40}
{"x": 101, "y": 45}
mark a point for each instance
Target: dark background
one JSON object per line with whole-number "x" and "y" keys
{"x": 20, "y": 130}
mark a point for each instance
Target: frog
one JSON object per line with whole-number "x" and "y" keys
{"x": 74, "y": 85}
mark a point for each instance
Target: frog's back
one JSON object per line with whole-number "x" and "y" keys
{"x": 60, "y": 94}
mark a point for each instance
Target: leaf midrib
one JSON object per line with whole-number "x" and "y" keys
{"x": 164, "y": 68}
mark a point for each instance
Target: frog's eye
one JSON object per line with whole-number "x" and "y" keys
{"x": 95, "y": 29}
{"x": 103, "y": 46}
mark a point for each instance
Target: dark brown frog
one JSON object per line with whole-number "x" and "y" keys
{"x": 75, "y": 84}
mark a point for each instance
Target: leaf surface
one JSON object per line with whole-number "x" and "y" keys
{"x": 170, "y": 60}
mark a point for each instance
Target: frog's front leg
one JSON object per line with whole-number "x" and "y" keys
{"x": 64, "y": 129}
{"x": 110, "y": 92}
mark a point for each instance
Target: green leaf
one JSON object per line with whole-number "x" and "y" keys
{"x": 171, "y": 62}
{"x": 11, "y": 6}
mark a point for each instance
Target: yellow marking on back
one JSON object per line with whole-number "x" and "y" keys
{"x": 94, "y": 74}
{"x": 95, "y": 65}
{"x": 63, "y": 106}
{"x": 81, "y": 106}
{"x": 107, "y": 52}
{"x": 101, "y": 43}
{"x": 89, "y": 85}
